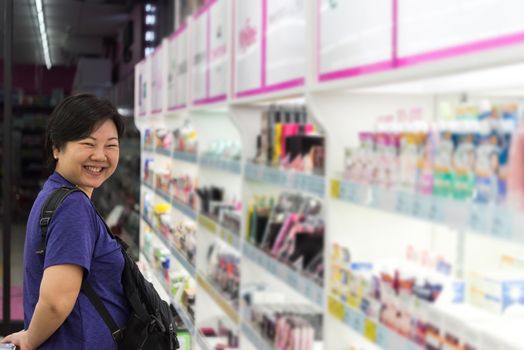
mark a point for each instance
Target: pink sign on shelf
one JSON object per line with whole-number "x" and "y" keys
{"x": 413, "y": 24}
{"x": 252, "y": 35}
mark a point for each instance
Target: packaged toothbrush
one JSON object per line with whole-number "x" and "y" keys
{"x": 409, "y": 153}
{"x": 442, "y": 178}
{"x": 487, "y": 166}
{"x": 364, "y": 158}
{"x": 463, "y": 164}
{"x": 508, "y": 124}
{"x": 424, "y": 176}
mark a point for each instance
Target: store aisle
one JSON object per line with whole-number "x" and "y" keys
{"x": 17, "y": 273}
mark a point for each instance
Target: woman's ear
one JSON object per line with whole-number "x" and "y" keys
{"x": 56, "y": 152}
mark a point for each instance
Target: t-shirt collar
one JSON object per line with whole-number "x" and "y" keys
{"x": 56, "y": 177}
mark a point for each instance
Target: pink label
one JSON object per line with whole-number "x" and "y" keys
{"x": 218, "y": 52}
{"x": 247, "y": 36}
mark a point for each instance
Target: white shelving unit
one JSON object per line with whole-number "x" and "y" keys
{"x": 353, "y": 65}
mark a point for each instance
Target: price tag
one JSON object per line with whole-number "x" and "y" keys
{"x": 370, "y": 330}
{"x": 478, "y": 218}
{"x": 374, "y": 197}
{"x": 408, "y": 345}
{"x": 344, "y": 191}
{"x": 349, "y": 316}
{"x": 358, "y": 322}
{"x": 386, "y": 200}
{"x": 335, "y": 188}
{"x": 402, "y": 203}
{"x": 292, "y": 280}
{"x": 436, "y": 213}
{"x": 456, "y": 213}
{"x": 352, "y": 192}
{"x": 352, "y": 301}
{"x": 502, "y": 223}
{"x": 383, "y": 337}
{"x": 421, "y": 206}
{"x": 336, "y": 309}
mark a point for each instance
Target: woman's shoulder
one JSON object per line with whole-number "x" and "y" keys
{"x": 75, "y": 204}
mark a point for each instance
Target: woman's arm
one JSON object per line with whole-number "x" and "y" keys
{"x": 58, "y": 293}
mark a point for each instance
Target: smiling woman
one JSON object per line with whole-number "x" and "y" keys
{"x": 82, "y": 139}
{"x": 90, "y": 161}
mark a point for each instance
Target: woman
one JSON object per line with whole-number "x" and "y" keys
{"x": 83, "y": 144}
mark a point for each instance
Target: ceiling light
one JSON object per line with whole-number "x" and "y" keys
{"x": 151, "y": 19}
{"x": 43, "y": 32}
{"x": 150, "y": 36}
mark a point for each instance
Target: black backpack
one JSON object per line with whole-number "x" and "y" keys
{"x": 150, "y": 325}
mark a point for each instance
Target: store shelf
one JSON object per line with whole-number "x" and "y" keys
{"x": 184, "y": 209}
{"x": 222, "y": 302}
{"x": 161, "y": 288}
{"x": 202, "y": 342}
{"x": 369, "y": 329}
{"x": 313, "y": 184}
{"x": 254, "y": 337}
{"x": 231, "y": 166}
{"x": 148, "y": 185}
{"x": 293, "y": 279}
{"x": 497, "y": 222}
{"x": 164, "y": 195}
{"x": 184, "y": 316}
{"x": 178, "y": 205}
{"x": 185, "y": 156}
{"x": 163, "y": 151}
{"x": 149, "y": 149}
{"x": 178, "y": 256}
{"x": 155, "y": 279}
{"x": 218, "y": 230}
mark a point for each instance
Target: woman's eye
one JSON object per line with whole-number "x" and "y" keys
{"x": 88, "y": 144}
{"x": 112, "y": 146}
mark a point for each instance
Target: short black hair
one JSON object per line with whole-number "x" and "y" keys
{"x": 75, "y": 118}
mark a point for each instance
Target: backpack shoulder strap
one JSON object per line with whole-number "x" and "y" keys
{"x": 93, "y": 297}
{"x": 48, "y": 209}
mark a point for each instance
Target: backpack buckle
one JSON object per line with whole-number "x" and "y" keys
{"x": 118, "y": 335}
{"x": 44, "y": 221}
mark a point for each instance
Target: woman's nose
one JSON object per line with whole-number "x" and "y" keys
{"x": 99, "y": 154}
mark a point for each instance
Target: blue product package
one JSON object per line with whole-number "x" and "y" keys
{"x": 487, "y": 168}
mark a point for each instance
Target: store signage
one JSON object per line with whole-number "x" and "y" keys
{"x": 156, "y": 80}
{"x": 248, "y": 45}
{"x": 471, "y": 26}
{"x": 141, "y": 88}
{"x": 285, "y": 41}
{"x": 209, "y": 54}
{"x": 199, "y": 44}
{"x": 177, "y": 70}
{"x": 269, "y": 48}
{"x": 381, "y": 35}
{"x": 354, "y": 37}
{"x": 217, "y": 54}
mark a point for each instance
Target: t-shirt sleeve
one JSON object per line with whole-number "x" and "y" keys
{"x": 71, "y": 233}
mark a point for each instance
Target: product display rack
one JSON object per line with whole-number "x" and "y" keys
{"x": 391, "y": 83}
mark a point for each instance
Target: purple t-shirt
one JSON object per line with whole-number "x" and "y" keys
{"x": 76, "y": 235}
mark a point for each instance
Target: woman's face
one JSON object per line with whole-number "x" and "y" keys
{"x": 89, "y": 162}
